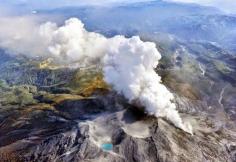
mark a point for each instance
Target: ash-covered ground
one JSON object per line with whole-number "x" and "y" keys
{"x": 53, "y": 113}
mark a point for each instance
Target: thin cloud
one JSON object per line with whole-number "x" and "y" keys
{"x": 228, "y": 6}
{"x": 63, "y": 3}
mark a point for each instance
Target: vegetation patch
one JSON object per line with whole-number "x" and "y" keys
{"x": 86, "y": 82}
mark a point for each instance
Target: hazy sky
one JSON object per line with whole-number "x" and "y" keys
{"x": 225, "y": 5}
{"x": 52, "y": 3}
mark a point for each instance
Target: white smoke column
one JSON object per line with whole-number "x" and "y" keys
{"x": 129, "y": 67}
{"x": 21, "y": 35}
{"x": 73, "y": 43}
{"x": 128, "y": 63}
{"x": 68, "y": 43}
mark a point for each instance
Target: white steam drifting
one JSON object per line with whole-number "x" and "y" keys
{"x": 128, "y": 63}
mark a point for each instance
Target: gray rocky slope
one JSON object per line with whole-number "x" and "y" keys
{"x": 76, "y": 129}
{"x": 55, "y": 115}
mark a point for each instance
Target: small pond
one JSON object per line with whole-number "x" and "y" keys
{"x": 107, "y": 146}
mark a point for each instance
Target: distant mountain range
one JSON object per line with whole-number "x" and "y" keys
{"x": 188, "y": 22}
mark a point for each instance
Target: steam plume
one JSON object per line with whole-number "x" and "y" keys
{"x": 127, "y": 62}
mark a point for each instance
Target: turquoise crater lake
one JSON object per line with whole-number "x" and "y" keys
{"x": 107, "y": 146}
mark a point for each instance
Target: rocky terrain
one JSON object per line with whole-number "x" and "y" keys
{"x": 52, "y": 113}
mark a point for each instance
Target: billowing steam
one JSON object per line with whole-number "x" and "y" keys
{"x": 127, "y": 62}
{"x": 129, "y": 67}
